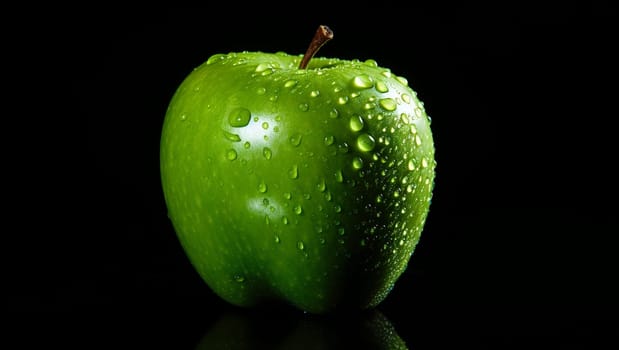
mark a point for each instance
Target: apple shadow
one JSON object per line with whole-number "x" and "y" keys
{"x": 282, "y": 329}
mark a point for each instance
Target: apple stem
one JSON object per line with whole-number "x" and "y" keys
{"x": 323, "y": 34}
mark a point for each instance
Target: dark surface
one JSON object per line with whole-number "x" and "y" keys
{"x": 520, "y": 247}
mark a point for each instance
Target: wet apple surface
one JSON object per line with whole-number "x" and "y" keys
{"x": 311, "y": 186}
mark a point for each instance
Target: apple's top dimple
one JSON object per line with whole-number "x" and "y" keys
{"x": 283, "y": 61}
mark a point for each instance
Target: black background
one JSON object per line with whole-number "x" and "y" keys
{"x": 520, "y": 245}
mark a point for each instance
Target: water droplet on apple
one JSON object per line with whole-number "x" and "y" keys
{"x": 262, "y": 187}
{"x": 402, "y": 80}
{"x": 277, "y": 239}
{"x": 232, "y": 137}
{"x": 418, "y": 112}
{"x": 388, "y": 103}
{"x": 381, "y": 87}
{"x": 365, "y": 142}
{"x": 357, "y": 163}
{"x": 265, "y": 125}
{"x": 339, "y": 177}
{"x": 239, "y": 117}
{"x": 418, "y": 140}
{"x": 368, "y": 105}
{"x": 404, "y": 118}
{"x": 314, "y": 93}
{"x": 322, "y": 186}
{"x": 246, "y": 145}
{"x": 334, "y": 113}
{"x": 342, "y": 100}
{"x": 328, "y": 196}
{"x": 293, "y": 173}
{"x": 341, "y": 231}
{"x": 424, "y": 162}
{"x": 337, "y": 208}
{"x": 362, "y": 82}
{"x": 239, "y": 62}
{"x": 266, "y": 152}
{"x": 290, "y": 83}
{"x": 370, "y": 63}
{"x": 261, "y": 67}
{"x": 239, "y": 278}
{"x": 298, "y": 209}
{"x": 295, "y": 139}
{"x": 267, "y": 220}
{"x": 231, "y": 154}
{"x": 303, "y": 107}
{"x": 261, "y": 90}
{"x": 411, "y": 164}
{"x": 287, "y": 195}
{"x": 215, "y": 58}
{"x": 329, "y": 139}
{"x": 183, "y": 117}
{"x": 406, "y": 98}
{"x": 355, "y": 123}
{"x": 300, "y": 245}
{"x": 285, "y": 220}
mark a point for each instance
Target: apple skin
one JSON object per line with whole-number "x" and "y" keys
{"x": 308, "y": 186}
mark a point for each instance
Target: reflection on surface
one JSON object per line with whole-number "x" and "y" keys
{"x": 244, "y": 329}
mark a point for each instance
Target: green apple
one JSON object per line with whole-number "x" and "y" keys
{"x": 296, "y": 178}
